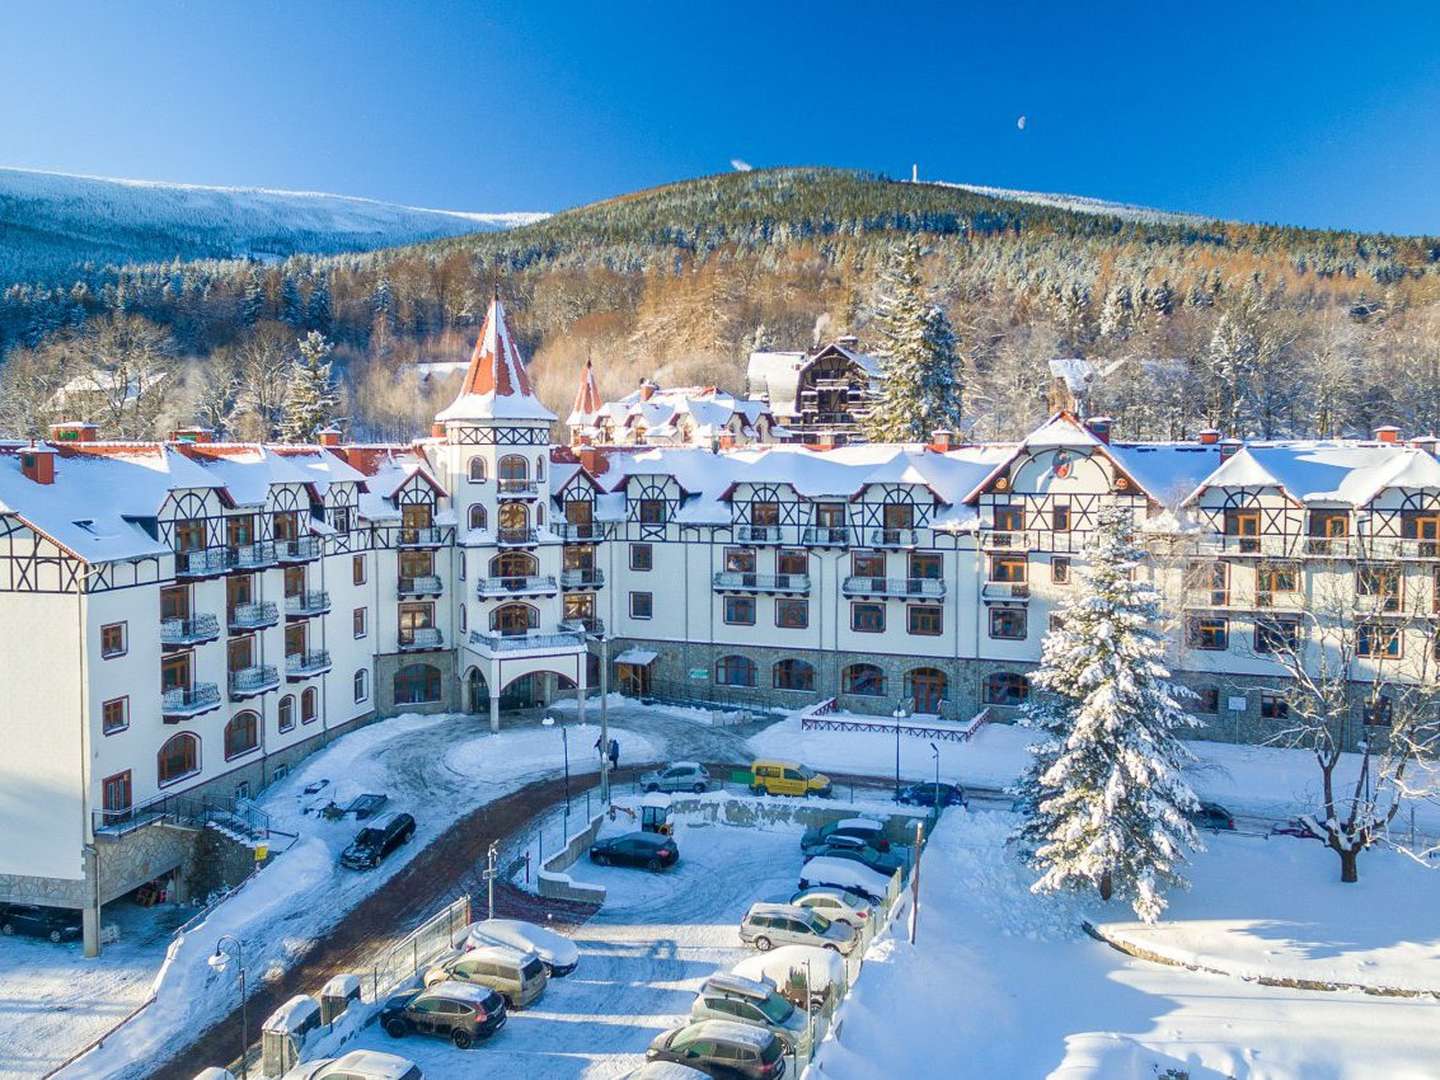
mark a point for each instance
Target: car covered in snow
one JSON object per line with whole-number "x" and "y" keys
{"x": 857, "y": 850}
{"x": 859, "y": 828}
{"x": 461, "y": 1012}
{"x": 677, "y": 776}
{"x": 518, "y": 976}
{"x": 32, "y": 920}
{"x": 933, "y": 794}
{"x": 847, "y": 874}
{"x": 665, "y": 1070}
{"x": 768, "y": 925}
{"x": 1213, "y": 816}
{"x": 734, "y": 997}
{"x": 836, "y": 904}
{"x": 804, "y": 975}
{"x": 722, "y": 1048}
{"x": 557, "y": 952}
{"x": 358, "y": 1065}
{"x": 377, "y": 840}
{"x": 652, "y": 851}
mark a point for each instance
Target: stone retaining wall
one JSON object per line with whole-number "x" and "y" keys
{"x": 555, "y": 884}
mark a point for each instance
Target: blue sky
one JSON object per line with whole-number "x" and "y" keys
{"x": 1316, "y": 113}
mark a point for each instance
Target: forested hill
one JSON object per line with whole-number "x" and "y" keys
{"x": 56, "y": 227}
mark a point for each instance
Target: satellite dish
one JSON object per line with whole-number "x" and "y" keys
{"x": 1021, "y": 122}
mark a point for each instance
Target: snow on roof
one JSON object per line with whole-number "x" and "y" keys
{"x": 824, "y": 965}
{"x": 372, "y": 1064}
{"x": 1325, "y": 472}
{"x": 1167, "y": 471}
{"x": 733, "y": 1031}
{"x": 321, "y": 466}
{"x": 293, "y": 1014}
{"x": 496, "y": 386}
{"x": 387, "y": 469}
{"x": 246, "y": 470}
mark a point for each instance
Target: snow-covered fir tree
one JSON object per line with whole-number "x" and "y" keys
{"x": 317, "y": 308}
{"x": 310, "y": 396}
{"x": 922, "y": 388}
{"x": 252, "y": 304}
{"x": 1107, "y": 804}
{"x": 292, "y": 308}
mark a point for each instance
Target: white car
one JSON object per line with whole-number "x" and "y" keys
{"x": 357, "y": 1065}
{"x": 847, "y": 874}
{"x": 836, "y": 904}
{"x": 556, "y": 951}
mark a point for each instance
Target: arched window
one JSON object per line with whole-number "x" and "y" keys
{"x": 735, "y": 671}
{"x": 477, "y": 516}
{"x": 793, "y": 675}
{"x": 540, "y": 467}
{"x": 362, "y": 685}
{"x": 1006, "y": 688}
{"x": 513, "y": 516}
{"x": 463, "y": 620}
{"x": 514, "y": 564}
{"x": 925, "y": 687}
{"x": 178, "y": 758}
{"x": 417, "y": 684}
{"x": 287, "y": 712}
{"x": 309, "y": 706}
{"x": 513, "y": 467}
{"x": 539, "y": 514}
{"x": 514, "y": 619}
{"x": 866, "y": 680}
{"x": 478, "y": 469}
{"x": 242, "y": 735}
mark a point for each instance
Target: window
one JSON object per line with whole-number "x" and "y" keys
{"x": 642, "y": 605}
{"x": 513, "y": 467}
{"x": 115, "y": 715}
{"x": 792, "y": 614}
{"x": 1207, "y": 632}
{"x": 1060, "y": 517}
{"x": 1274, "y": 707}
{"x": 1381, "y": 582}
{"x": 539, "y": 466}
{"x": 242, "y": 735}
{"x": 1208, "y": 700}
{"x": 1007, "y": 688}
{"x": 652, "y": 511}
{"x": 1009, "y": 568}
{"x": 740, "y": 610}
{"x": 178, "y": 758}
{"x": 417, "y": 684}
{"x": 175, "y": 603}
{"x": 764, "y": 513}
{"x": 1378, "y": 640}
{"x": 642, "y": 557}
{"x": 830, "y": 515}
{"x": 1007, "y": 623}
{"x": 925, "y": 687}
{"x": 477, "y": 517}
{"x": 735, "y": 671}
{"x": 1244, "y": 525}
{"x": 868, "y": 564}
{"x": 866, "y": 618}
{"x": 287, "y": 713}
{"x": 340, "y": 519}
{"x": 357, "y": 622}
{"x": 189, "y": 534}
{"x": 1208, "y": 582}
{"x": 478, "y": 470}
{"x": 413, "y": 618}
{"x": 1273, "y": 578}
{"x": 463, "y": 620}
{"x": 361, "y": 683}
{"x": 896, "y": 516}
{"x": 357, "y": 569}
{"x": 740, "y": 560}
{"x": 1327, "y": 531}
{"x": 866, "y": 680}
{"x": 792, "y": 675}
{"x": 539, "y": 513}
{"x": 1059, "y": 571}
{"x": 310, "y": 706}
{"x": 1274, "y": 635}
{"x": 925, "y": 620}
{"x": 240, "y": 530}
{"x": 1378, "y": 711}
{"x": 926, "y": 566}
{"x": 792, "y": 561}
{"x": 1010, "y": 519}
{"x": 117, "y": 794}
{"x": 114, "y": 640}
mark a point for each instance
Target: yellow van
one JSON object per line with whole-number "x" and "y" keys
{"x": 787, "y": 778}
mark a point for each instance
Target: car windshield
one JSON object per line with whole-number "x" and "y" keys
{"x": 366, "y": 837}
{"x": 819, "y": 922}
{"x": 776, "y": 1009}
{"x": 532, "y": 969}
{"x": 772, "y": 1052}
{"x": 806, "y": 773}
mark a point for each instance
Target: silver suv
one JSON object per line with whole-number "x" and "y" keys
{"x": 677, "y": 776}
{"x": 733, "y": 997}
{"x": 768, "y": 925}
{"x": 836, "y": 904}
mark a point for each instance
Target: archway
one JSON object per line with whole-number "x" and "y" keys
{"x": 477, "y": 692}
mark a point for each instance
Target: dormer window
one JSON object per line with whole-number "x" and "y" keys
{"x": 764, "y": 513}
{"x": 652, "y": 511}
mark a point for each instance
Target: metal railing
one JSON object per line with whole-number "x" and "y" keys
{"x": 570, "y": 531}
{"x": 519, "y": 585}
{"x": 513, "y": 537}
{"x": 582, "y": 577}
{"x": 253, "y": 616}
{"x": 826, "y": 535}
{"x": 301, "y": 549}
{"x": 744, "y": 581}
{"x": 758, "y": 534}
{"x": 256, "y": 679}
{"x": 253, "y": 556}
{"x": 189, "y": 631}
{"x": 859, "y": 585}
{"x": 1006, "y": 540}
{"x": 308, "y": 603}
{"x": 423, "y": 585}
{"x": 421, "y": 637}
{"x": 190, "y": 701}
{"x": 1008, "y": 590}
{"x": 303, "y": 665}
{"x": 525, "y": 489}
{"x": 200, "y": 562}
{"x": 893, "y": 538}
{"x": 493, "y": 642}
{"x": 242, "y": 815}
{"x": 586, "y": 624}
{"x": 414, "y": 536}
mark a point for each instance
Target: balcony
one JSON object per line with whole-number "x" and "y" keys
{"x": 182, "y": 703}
{"x": 1006, "y": 590}
{"x": 585, "y": 624}
{"x": 582, "y": 577}
{"x": 531, "y": 585}
{"x": 574, "y": 531}
{"x": 306, "y": 665}
{"x": 1007, "y": 540}
{"x": 302, "y": 549}
{"x": 252, "y": 556}
{"x": 419, "y": 537}
{"x": 1397, "y": 547}
{"x": 893, "y": 538}
{"x": 305, "y": 605}
{"x": 1331, "y": 547}
{"x": 256, "y": 616}
{"x": 420, "y": 638}
{"x": 904, "y": 588}
{"x": 253, "y": 681}
{"x": 425, "y": 585}
{"x": 490, "y": 644}
{"x": 516, "y": 537}
{"x": 826, "y": 536}
{"x": 195, "y": 630}
{"x": 202, "y": 562}
{"x": 1228, "y": 544}
{"x": 758, "y": 534}
{"x": 745, "y": 582}
{"x": 517, "y": 489}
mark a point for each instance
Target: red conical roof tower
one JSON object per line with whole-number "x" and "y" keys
{"x": 587, "y": 398}
{"x": 496, "y": 386}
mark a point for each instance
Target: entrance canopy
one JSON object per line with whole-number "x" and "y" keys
{"x": 637, "y": 657}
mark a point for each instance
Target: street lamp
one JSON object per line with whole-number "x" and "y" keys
{"x": 899, "y": 714}
{"x": 935, "y": 803}
{"x": 549, "y": 721}
{"x": 604, "y": 716}
{"x": 219, "y": 961}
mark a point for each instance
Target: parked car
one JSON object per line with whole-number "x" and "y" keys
{"x": 665, "y": 1070}
{"x": 734, "y": 997}
{"x": 788, "y": 778}
{"x": 847, "y": 874}
{"x": 460, "y": 1012}
{"x": 933, "y": 794}
{"x": 649, "y": 850}
{"x": 1298, "y": 828}
{"x": 518, "y": 976}
{"x": 807, "y": 976}
{"x": 866, "y": 829}
{"x": 852, "y": 847}
{"x": 723, "y": 1049}
{"x": 377, "y": 840}
{"x": 57, "y": 924}
{"x": 556, "y": 951}
{"x": 358, "y": 1065}
{"x": 768, "y": 925}
{"x": 836, "y": 904}
{"x": 1212, "y": 816}
{"x": 678, "y": 776}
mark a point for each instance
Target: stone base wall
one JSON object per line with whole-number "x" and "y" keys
{"x": 388, "y": 664}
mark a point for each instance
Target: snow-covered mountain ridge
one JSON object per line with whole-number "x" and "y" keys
{"x": 1083, "y": 204}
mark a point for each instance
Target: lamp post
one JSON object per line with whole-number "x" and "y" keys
{"x": 549, "y": 721}
{"x": 899, "y": 714}
{"x": 935, "y": 803}
{"x": 604, "y": 716}
{"x": 219, "y": 960}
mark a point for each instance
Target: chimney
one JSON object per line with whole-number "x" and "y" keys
{"x": 437, "y": 430}
{"x": 1209, "y": 437}
{"x": 1100, "y": 427}
{"x": 1228, "y": 448}
{"x": 37, "y": 463}
{"x": 192, "y": 435}
{"x": 1387, "y": 434}
{"x": 942, "y": 441}
{"x": 849, "y": 341}
{"x": 647, "y": 389}
{"x": 1429, "y": 443}
{"x": 591, "y": 460}
{"x": 582, "y": 438}
{"x": 727, "y": 440}
{"x": 72, "y": 431}
{"x": 329, "y": 436}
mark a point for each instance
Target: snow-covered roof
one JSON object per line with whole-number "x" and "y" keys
{"x": 702, "y": 412}
{"x": 293, "y": 1015}
{"x": 733, "y": 1031}
{"x": 1320, "y": 472}
{"x": 496, "y": 386}
{"x": 824, "y": 965}
{"x": 776, "y": 375}
{"x": 247, "y": 471}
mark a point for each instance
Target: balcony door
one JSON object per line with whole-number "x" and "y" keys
{"x": 175, "y": 603}
{"x": 175, "y": 672}
{"x": 240, "y": 654}
{"x": 239, "y": 589}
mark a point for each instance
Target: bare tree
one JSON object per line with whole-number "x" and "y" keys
{"x": 126, "y": 365}
{"x": 263, "y": 360}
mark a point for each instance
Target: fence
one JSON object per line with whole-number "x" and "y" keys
{"x": 408, "y": 957}
{"x": 944, "y": 730}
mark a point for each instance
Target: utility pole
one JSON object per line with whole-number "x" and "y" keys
{"x": 490, "y": 879}
{"x": 604, "y": 717}
{"x": 915, "y": 880}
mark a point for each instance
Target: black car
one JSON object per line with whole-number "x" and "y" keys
{"x": 57, "y": 924}
{"x": 932, "y": 794}
{"x": 460, "y": 1012}
{"x": 650, "y": 850}
{"x": 377, "y": 840}
{"x": 1212, "y": 816}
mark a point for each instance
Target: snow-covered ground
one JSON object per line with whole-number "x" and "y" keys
{"x": 1001, "y": 983}
{"x": 436, "y": 767}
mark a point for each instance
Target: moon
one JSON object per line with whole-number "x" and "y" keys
{"x": 1021, "y": 122}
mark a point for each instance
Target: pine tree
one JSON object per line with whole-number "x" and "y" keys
{"x": 292, "y": 310}
{"x": 922, "y": 387}
{"x": 1107, "y": 801}
{"x": 317, "y": 310}
{"x": 310, "y": 396}
{"x": 252, "y": 304}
